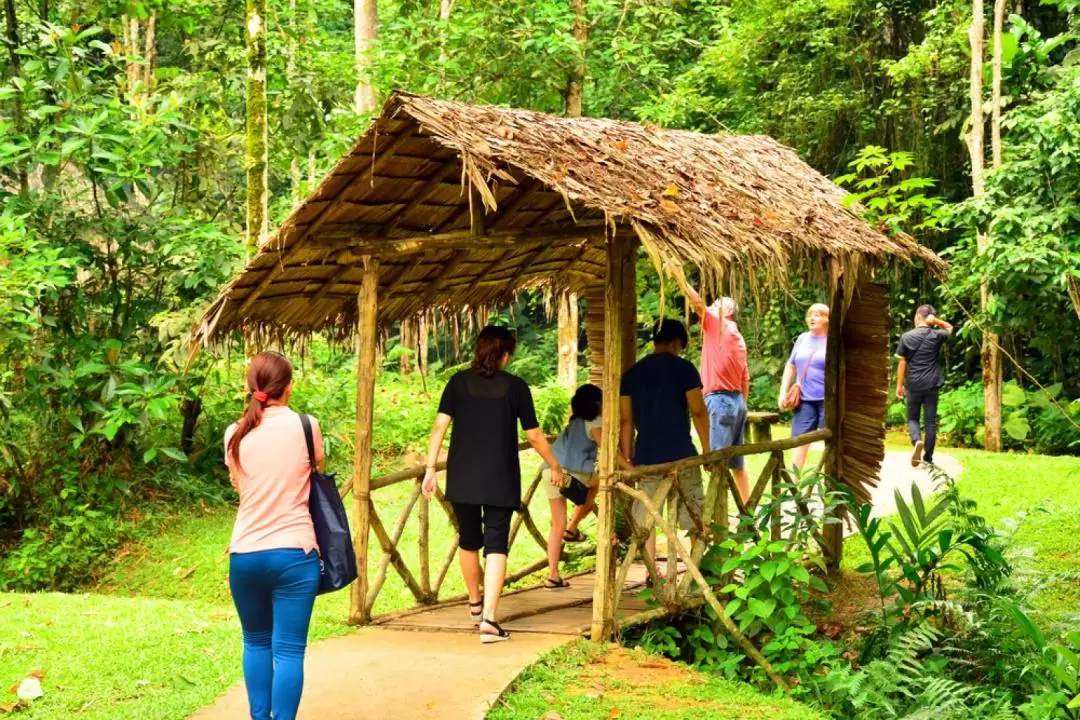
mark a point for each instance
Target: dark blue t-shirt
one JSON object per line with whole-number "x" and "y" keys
{"x": 657, "y": 387}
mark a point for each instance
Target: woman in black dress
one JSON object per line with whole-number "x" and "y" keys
{"x": 483, "y": 477}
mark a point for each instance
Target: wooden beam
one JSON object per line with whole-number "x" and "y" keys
{"x": 603, "y": 619}
{"x": 502, "y": 215}
{"x": 833, "y": 541}
{"x": 458, "y": 240}
{"x": 366, "y": 340}
{"x": 328, "y": 286}
{"x": 430, "y": 188}
{"x": 298, "y": 243}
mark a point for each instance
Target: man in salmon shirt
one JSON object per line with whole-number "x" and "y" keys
{"x": 725, "y": 377}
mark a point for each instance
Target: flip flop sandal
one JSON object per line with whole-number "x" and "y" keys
{"x": 574, "y": 537}
{"x": 499, "y": 636}
{"x": 476, "y": 614}
{"x": 556, "y": 584}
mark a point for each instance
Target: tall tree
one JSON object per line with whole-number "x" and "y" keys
{"x": 568, "y": 303}
{"x": 256, "y": 146}
{"x": 990, "y": 353}
{"x": 366, "y": 20}
{"x": 16, "y": 71}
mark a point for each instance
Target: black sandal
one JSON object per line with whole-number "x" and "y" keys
{"x": 476, "y": 615}
{"x": 556, "y": 584}
{"x": 498, "y": 636}
{"x": 574, "y": 537}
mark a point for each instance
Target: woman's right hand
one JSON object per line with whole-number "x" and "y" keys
{"x": 558, "y": 477}
{"x": 430, "y": 483}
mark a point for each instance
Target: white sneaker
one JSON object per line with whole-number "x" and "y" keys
{"x": 916, "y": 455}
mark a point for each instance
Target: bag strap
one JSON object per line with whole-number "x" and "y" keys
{"x": 309, "y": 438}
{"x": 809, "y": 362}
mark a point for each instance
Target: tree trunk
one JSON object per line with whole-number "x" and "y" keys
{"x": 444, "y": 20}
{"x": 422, "y": 353}
{"x": 290, "y": 79}
{"x": 990, "y": 354}
{"x": 995, "y": 102}
{"x": 256, "y": 150}
{"x": 406, "y": 340}
{"x": 16, "y": 71}
{"x": 150, "y": 52}
{"x": 366, "y": 18}
{"x": 568, "y": 304}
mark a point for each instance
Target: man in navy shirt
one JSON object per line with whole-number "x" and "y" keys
{"x": 658, "y": 396}
{"x": 919, "y": 379}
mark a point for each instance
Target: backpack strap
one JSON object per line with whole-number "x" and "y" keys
{"x": 309, "y": 438}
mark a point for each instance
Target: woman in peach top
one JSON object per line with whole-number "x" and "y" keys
{"x": 274, "y": 562}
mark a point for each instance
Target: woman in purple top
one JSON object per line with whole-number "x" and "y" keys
{"x": 806, "y": 368}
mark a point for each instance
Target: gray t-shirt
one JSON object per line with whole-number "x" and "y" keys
{"x": 921, "y": 348}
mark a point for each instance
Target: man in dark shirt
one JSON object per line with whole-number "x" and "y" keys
{"x": 919, "y": 378}
{"x": 658, "y": 396}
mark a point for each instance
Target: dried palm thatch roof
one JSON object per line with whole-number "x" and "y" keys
{"x": 464, "y": 205}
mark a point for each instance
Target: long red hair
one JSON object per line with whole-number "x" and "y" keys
{"x": 268, "y": 377}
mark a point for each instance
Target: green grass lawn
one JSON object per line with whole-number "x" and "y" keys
{"x": 585, "y": 682}
{"x": 1046, "y": 541}
{"x": 158, "y": 637}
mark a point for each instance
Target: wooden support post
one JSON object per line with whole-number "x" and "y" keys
{"x": 604, "y": 592}
{"x": 366, "y": 341}
{"x": 833, "y": 547}
{"x": 776, "y": 521}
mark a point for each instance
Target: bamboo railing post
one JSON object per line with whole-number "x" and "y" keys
{"x": 834, "y": 415}
{"x": 710, "y": 597}
{"x": 367, "y": 306}
{"x": 604, "y": 592}
{"x": 424, "y": 547}
{"x": 776, "y": 523}
{"x": 674, "y": 501}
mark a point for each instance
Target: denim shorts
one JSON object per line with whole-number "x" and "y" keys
{"x": 809, "y": 416}
{"x": 727, "y": 422}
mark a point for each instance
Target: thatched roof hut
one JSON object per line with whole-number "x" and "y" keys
{"x": 549, "y": 187}
{"x": 444, "y": 205}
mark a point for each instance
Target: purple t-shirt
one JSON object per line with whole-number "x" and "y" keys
{"x": 810, "y": 349}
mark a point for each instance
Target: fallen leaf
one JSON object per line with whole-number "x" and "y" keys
{"x": 141, "y": 683}
{"x": 671, "y": 191}
{"x": 620, "y": 145}
{"x": 614, "y": 712}
{"x": 13, "y": 706}
{"x": 668, "y": 206}
{"x": 549, "y": 698}
{"x": 598, "y": 686}
{"x": 552, "y": 716}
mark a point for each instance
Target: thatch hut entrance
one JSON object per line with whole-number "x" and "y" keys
{"x": 444, "y": 206}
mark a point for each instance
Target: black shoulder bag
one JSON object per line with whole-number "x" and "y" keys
{"x": 337, "y": 558}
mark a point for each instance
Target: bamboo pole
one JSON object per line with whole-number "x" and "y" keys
{"x": 396, "y": 559}
{"x": 603, "y": 620}
{"x": 525, "y": 500}
{"x": 424, "y": 544}
{"x": 776, "y": 523}
{"x": 706, "y": 590}
{"x": 366, "y": 340}
{"x": 389, "y": 554}
{"x": 833, "y": 545}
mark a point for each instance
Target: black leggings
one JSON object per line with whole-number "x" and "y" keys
{"x": 483, "y": 526}
{"x": 927, "y": 402}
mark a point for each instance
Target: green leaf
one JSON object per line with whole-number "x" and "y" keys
{"x": 1017, "y": 427}
{"x": 800, "y": 573}
{"x": 149, "y": 455}
{"x": 1012, "y": 395}
{"x": 175, "y": 454}
{"x": 768, "y": 570}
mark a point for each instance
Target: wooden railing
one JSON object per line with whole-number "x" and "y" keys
{"x": 711, "y": 524}
{"x": 424, "y": 587}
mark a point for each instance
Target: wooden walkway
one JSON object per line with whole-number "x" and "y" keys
{"x": 429, "y": 662}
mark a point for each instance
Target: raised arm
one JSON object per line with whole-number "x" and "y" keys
{"x": 700, "y": 415}
{"x": 936, "y": 322}
{"x": 691, "y": 294}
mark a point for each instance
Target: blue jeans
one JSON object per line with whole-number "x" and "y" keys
{"x": 727, "y": 423}
{"x": 926, "y": 402}
{"x": 274, "y": 592}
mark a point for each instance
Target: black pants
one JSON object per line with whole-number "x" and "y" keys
{"x": 483, "y": 526}
{"x": 924, "y": 401}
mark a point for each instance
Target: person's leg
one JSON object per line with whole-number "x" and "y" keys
{"x": 930, "y": 409}
{"x": 640, "y": 516}
{"x": 738, "y": 437}
{"x": 582, "y": 511}
{"x": 693, "y": 497}
{"x": 555, "y": 535}
{"x": 252, "y": 594}
{"x": 470, "y": 540}
{"x": 802, "y": 420}
{"x": 496, "y": 541}
{"x": 294, "y": 598}
{"x": 914, "y": 406}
